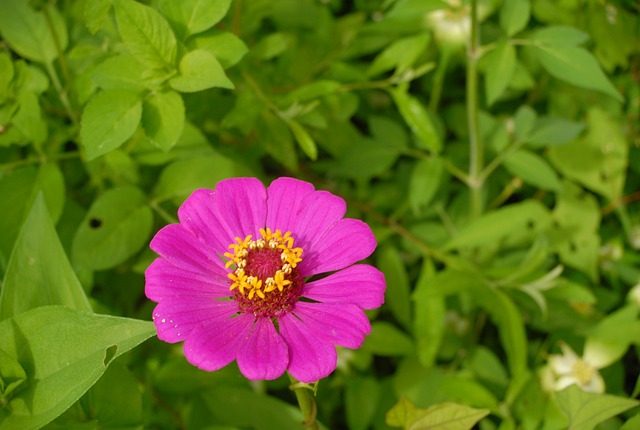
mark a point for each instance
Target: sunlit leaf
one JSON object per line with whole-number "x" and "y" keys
{"x": 586, "y": 410}
{"x": 56, "y": 345}
{"x": 146, "y": 34}
{"x": 108, "y": 120}
{"x": 117, "y": 226}
{"x": 39, "y": 273}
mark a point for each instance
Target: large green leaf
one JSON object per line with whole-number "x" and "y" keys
{"x": 501, "y": 224}
{"x": 417, "y": 118}
{"x": 599, "y": 159}
{"x": 117, "y": 226}
{"x": 361, "y": 401}
{"x": 400, "y": 55}
{"x": 586, "y": 410}
{"x": 146, "y": 34}
{"x": 501, "y": 65}
{"x": 199, "y": 70}
{"x": 533, "y": 169}
{"x": 514, "y": 15}
{"x": 429, "y": 310}
{"x": 163, "y": 118}
{"x": 39, "y": 273}
{"x": 18, "y": 191}
{"x": 425, "y": 181}
{"x": 228, "y": 404}
{"x": 181, "y": 177}
{"x": 28, "y": 32}
{"x": 189, "y": 17}
{"x": 63, "y": 352}
{"x": 387, "y": 340}
{"x": 576, "y": 66}
{"x": 109, "y": 119}
{"x": 397, "y": 295}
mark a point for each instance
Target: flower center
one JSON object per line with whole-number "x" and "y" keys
{"x": 583, "y": 372}
{"x": 265, "y": 281}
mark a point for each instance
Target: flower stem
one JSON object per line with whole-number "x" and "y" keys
{"x": 306, "y": 402}
{"x": 476, "y": 148}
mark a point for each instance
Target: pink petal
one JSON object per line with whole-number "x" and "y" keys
{"x": 241, "y": 207}
{"x": 360, "y": 284}
{"x": 175, "y": 319}
{"x": 284, "y": 197}
{"x": 181, "y": 248}
{"x": 310, "y": 357}
{"x": 344, "y": 243}
{"x": 318, "y": 212}
{"x": 212, "y": 346}
{"x": 198, "y": 215}
{"x": 343, "y": 324}
{"x": 163, "y": 280}
{"x": 264, "y": 354}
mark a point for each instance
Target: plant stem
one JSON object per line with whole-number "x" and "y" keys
{"x": 438, "y": 79}
{"x": 62, "y": 92}
{"x": 476, "y": 148}
{"x": 306, "y": 402}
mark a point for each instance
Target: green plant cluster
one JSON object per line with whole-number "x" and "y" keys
{"x": 492, "y": 145}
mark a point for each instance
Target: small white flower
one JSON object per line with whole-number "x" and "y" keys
{"x": 563, "y": 370}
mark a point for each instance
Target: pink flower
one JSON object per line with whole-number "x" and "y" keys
{"x": 232, "y": 280}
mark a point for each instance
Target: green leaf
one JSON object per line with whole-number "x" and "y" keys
{"x": 8, "y": 71}
{"x": 586, "y": 410}
{"x": 576, "y": 66}
{"x": 424, "y": 183}
{"x": 56, "y": 345}
{"x": 146, "y": 34}
{"x": 449, "y": 416}
{"x": 116, "y": 226}
{"x": 403, "y": 413}
{"x": 199, "y": 70}
{"x": 194, "y": 16}
{"x": 502, "y": 223}
{"x": 163, "y": 118}
{"x": 228, "y": 48}
{"x": 28, "y": 32}
{"x": 577, "y": 219}
{"x": 120, "y": 72}
{"x": 116, "y": 399}
{"x": 598, "y": 160}
{"x": 277, "y": 140}
{"x": 525, "y": 119}
{"x": 12, "y": 376}
{"x": 400, "y": 55}
{"x": 397, "y": 295}
{"x": 303, "y": 138}
{"x": 553, "y": 131}
{"x": 182, "y": 177}
{"x": 429, "y": 321}
{"x": 228, "y": 405}
{"x": 560, "y": 35}
{"x": 18, "y": 192}
{"x": 387, "y": 340}
{"x": 38, "y": 272}
{"x": 501, "y": 65}
{"x": 514, "y": 15}
{"x": 109, "y": 119}
{"x": 508, "y": 319}
{"x": 532, "y": 169}
{"x": 418, "y": 119}
{"x": 96, "y": 14}
{"x": 361, "y": 402}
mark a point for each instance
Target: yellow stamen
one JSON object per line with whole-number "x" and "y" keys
{"x": 270, "y": 240}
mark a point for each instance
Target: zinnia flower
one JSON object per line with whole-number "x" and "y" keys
{"x": 233, "y": 279}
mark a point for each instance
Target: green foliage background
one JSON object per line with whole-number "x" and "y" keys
{"x": 491, "y": 145}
